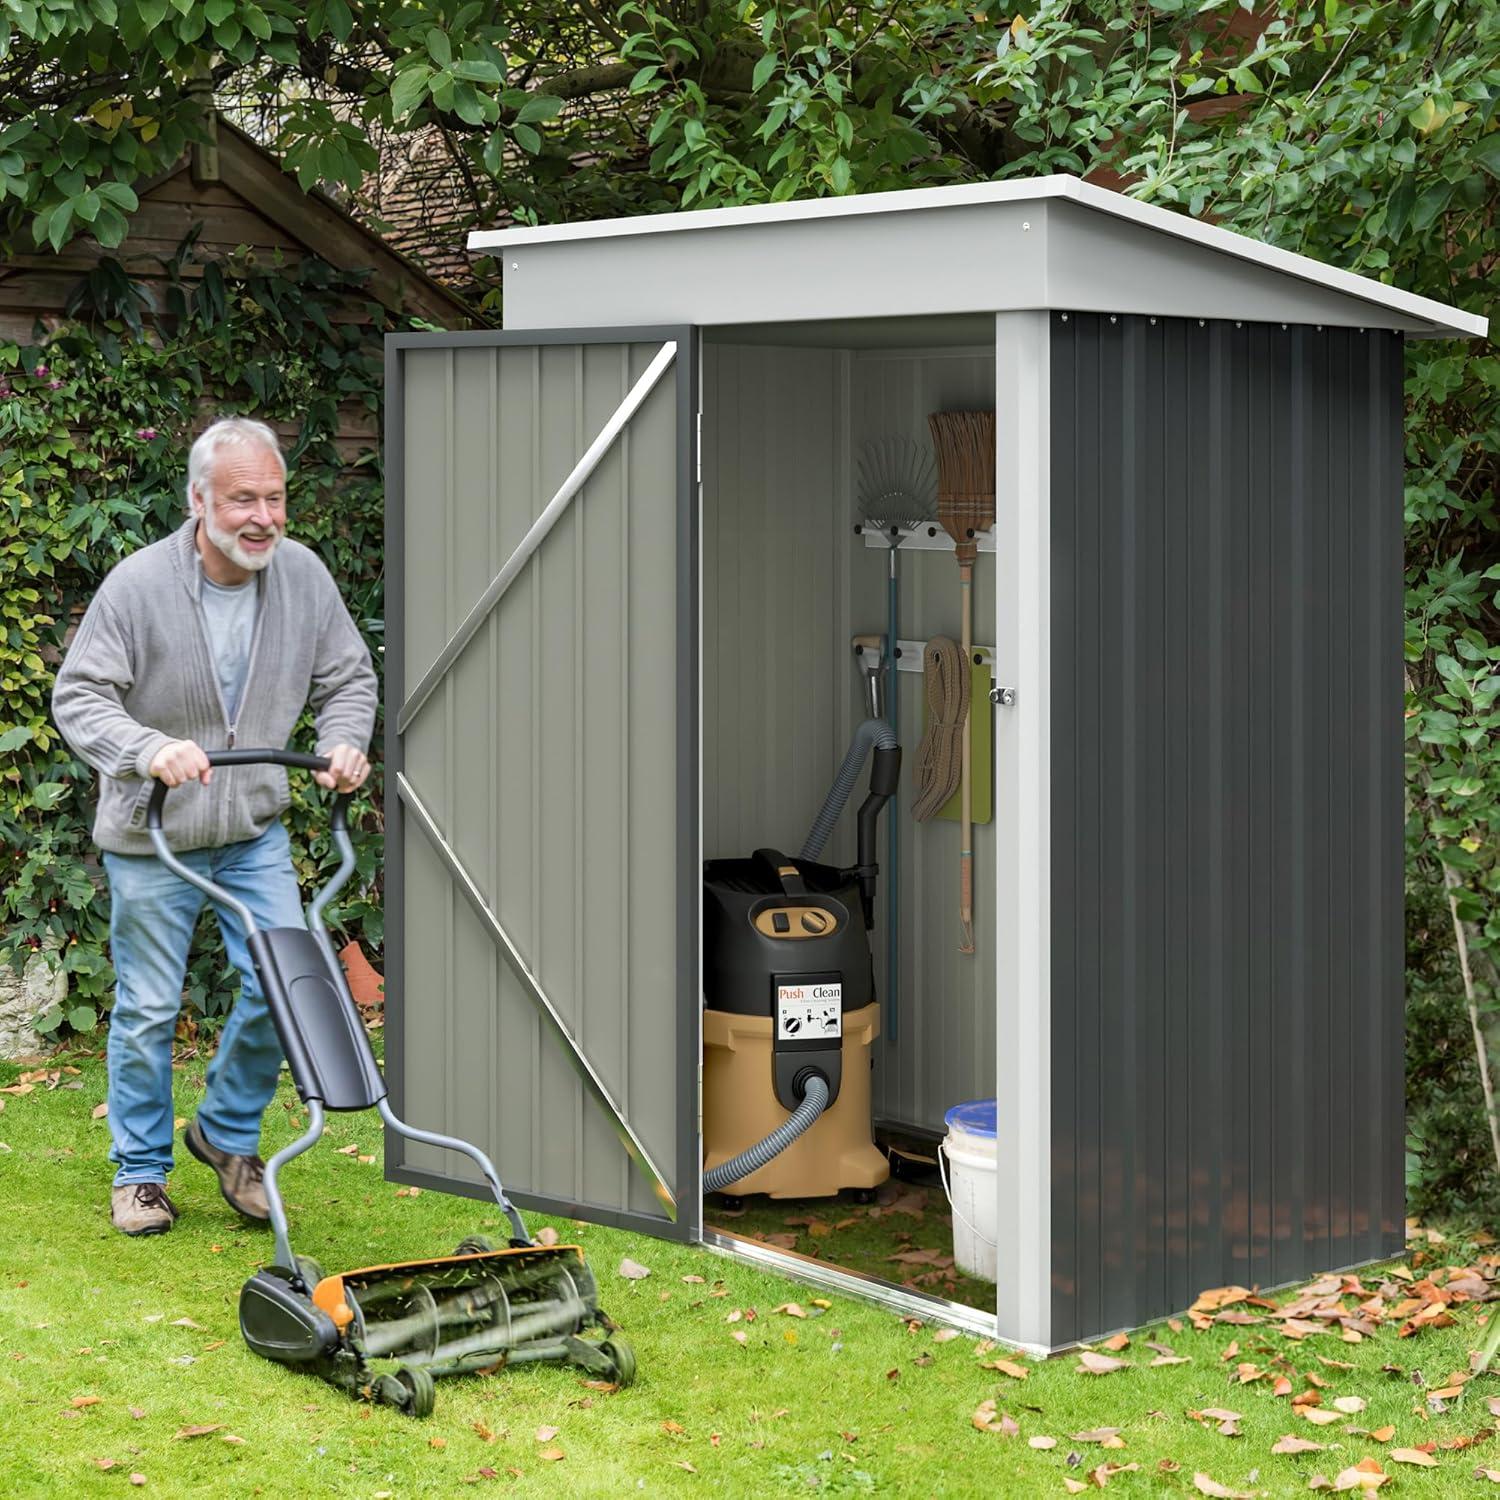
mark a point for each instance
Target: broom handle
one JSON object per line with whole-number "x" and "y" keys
{"x": 966, "y": 813}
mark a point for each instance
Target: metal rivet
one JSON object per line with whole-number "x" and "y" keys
{"x": 1025, "y": 226}
{"x": 1153, "y": 322}
{"x": 1283, "y": 327}
{"x": 1065, "y": 317}
{"x": 1113, "y": 318}
{"x": 515, "y": 265}
{"x": 1238, "y": 324}
{"x": 1200, "y": 322}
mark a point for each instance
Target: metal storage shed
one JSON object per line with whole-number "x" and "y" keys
{"x": 622, "y": 586}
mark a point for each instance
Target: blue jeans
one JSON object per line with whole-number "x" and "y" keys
{"x": 152, "y": 915}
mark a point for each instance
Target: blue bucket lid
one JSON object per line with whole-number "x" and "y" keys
{"x": 977, "y": 1117}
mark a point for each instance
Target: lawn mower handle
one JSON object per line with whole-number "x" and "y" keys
{"x": 338, "y": 826}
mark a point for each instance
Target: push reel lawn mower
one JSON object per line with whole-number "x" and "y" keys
{"x": 386, "y": 1333}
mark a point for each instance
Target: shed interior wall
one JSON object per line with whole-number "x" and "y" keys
{"x": 786, "y": 585}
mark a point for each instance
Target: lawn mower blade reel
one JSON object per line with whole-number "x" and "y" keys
{"x": 386, "y": 1333}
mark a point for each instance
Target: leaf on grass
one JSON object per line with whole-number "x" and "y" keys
{"x": 552, "y": 1455}
{"x": 230, "y": 1437}
{"x": 1206, "y": 1486}
{"x": 1170, "y": 1359}
{"x": 944, "y": 1335}
{"x": 1073, "y": 1486}
{"x": 1286, "y": 1443}
{"x": 693, "y": 1280}
{"x": 1090, "y": 1363}
{"x": 1413, "y": 1456}
{"x": 1351, "y": 1406}
{"x": 186, "y": 1323}
{"x": 1365, "y": 1475}
{"x": 82, "y": 1401}
{"x": 546, "y": 1434}
{"x": 1096, "y": 1435}
{"x": 1041, "y": 1442}
{"x": 673, "y": 1427}
{"x": 201, "y": 1431}
{"x": 1118, "y": 1342}
{"x": 1008, "y": 1367}
{"x": 986, "y": 1419}
{"x": 104, "y": 1463}
{"x": 791, "y": 1309}
{"x": 633, "y": 1270}
{"x": 347, "y": 1151}
{"x": 138, "y": 1479}
{"x": 1493, "y": 1475}
{"x": 99, "y": 1111}
{"x": 1219, "y": 1414}
{"x": 1317, "y": 1416}
{"x": 1382, "y": 1434}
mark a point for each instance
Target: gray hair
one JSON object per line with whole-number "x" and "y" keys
{"x": 225, "y": 433}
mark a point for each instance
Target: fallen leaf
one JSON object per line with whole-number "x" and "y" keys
{"x": 1118, "y": 1342}
{"x": 1356, "y": 1478}
{"x": 673, "y": 1427}
{"x": 186, "y": 1323}
{"x": 1206, "y": 1486}
{"x": 546, "y": 1434}
{"x": 1170, "y": 1359}
{"x": 1413, "y": 1456}
{"x": 1493, "y": 1475}
{"x": 99, "y": 1111}
{"x": 986, "y": 1419}
{"x": 693, "y": 1280}
{"x": 82, "y": 1401}
{"x": 1090, "y": 1363}
{"x": 682, "y": 1463}
{"x": 1073, "y": 1487}
{"x": 203, "y": 1431}
{"x": 546, "y": 1235}
{"x": 552, "y": 1455}
{"x": 347, "y": 1151}
{"x": 1350, "y": 1405}
{"x": 1041, "y": 1442}
{"x": 104, "y": 1463}
{"x": 1317, "y": 1416}
{"x": 138, "y": 1479}
{"x": 633, "y": 1270}
{"x": 137, "y": 1412}
{"x": 1382, "y": 1434}
{"x": 1289, "y": 1444}
{"x": 1008, "y": 1367}
{"x": 1219, "y": 1414}
{"x": 791, "y": 1309}
{"x": 1096, "y": 1435}
{"x": 437, "y": 1442}
{"x": 229, "y": 1437}
{"x": 944, "y": 1335}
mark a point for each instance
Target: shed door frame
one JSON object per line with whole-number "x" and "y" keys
{"x": 685, "y": 1226}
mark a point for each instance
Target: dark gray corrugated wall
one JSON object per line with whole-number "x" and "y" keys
{"x": 1226, "y": 620}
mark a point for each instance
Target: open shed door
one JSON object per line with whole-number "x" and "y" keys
{"x": 541, "y": 766}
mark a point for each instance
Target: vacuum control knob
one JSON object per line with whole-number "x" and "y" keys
{"x": 814, "y": 922}
{"x": 781, "y": 922}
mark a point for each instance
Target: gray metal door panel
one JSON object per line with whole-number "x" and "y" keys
{"x": 541, "y": 767}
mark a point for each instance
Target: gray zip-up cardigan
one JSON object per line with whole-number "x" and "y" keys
{"x": 139, "y": 673}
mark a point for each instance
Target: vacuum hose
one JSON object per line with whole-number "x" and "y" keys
{"x": 871, "y": 732}
{"x": 799, "y": 1122}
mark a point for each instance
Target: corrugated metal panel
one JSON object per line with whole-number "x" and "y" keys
{"x": 1226, "y": 804}
{"x": 549, "y": 757}
{"x": 787, "y": 585}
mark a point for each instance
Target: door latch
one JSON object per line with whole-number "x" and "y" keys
{"x": 1003, "y": 697}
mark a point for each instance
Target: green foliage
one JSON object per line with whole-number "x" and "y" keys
{"x": 95, "y": 423}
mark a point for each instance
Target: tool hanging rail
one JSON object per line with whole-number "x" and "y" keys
{"x": 909, "y": 653}
{"x": 928, "y": 537}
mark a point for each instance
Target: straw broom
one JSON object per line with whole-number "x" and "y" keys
{"x": 964, "y": 442}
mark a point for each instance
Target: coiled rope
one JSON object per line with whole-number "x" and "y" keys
{"x": 939, "y": 762}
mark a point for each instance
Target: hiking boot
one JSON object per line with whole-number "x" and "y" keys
{"x": 141, "y": 1208}
{"x": 239, "y": 1176}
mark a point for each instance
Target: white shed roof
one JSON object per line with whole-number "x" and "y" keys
{"x": 898, "y": 253}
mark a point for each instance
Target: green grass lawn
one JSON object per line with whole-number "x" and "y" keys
{"x": 111, "y": 1347}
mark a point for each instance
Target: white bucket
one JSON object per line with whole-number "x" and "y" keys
{"x": 969, "y": 1181}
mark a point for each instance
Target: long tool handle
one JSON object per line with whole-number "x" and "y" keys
{"x": 892, "y": 1024}
{"x": 966, "y": 805}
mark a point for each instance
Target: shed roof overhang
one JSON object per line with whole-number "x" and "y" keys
{"x": 1042, "y": 242}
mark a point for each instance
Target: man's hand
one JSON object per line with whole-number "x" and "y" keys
{"x": 348, "y": 768}
{"x": 181, "y": 760}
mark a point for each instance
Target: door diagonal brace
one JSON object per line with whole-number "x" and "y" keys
{"x": 537, "y": 532}
{"x": 545, "y": 1008}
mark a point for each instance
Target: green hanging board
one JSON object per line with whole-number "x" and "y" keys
{"x": 981, "y": 751}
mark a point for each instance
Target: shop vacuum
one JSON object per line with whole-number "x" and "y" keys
{"x": 790, "y": 1009}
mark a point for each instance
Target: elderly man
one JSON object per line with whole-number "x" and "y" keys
{"x": 217, "y": 635}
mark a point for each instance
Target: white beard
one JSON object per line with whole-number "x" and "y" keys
{"x": 228, "y": 542}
